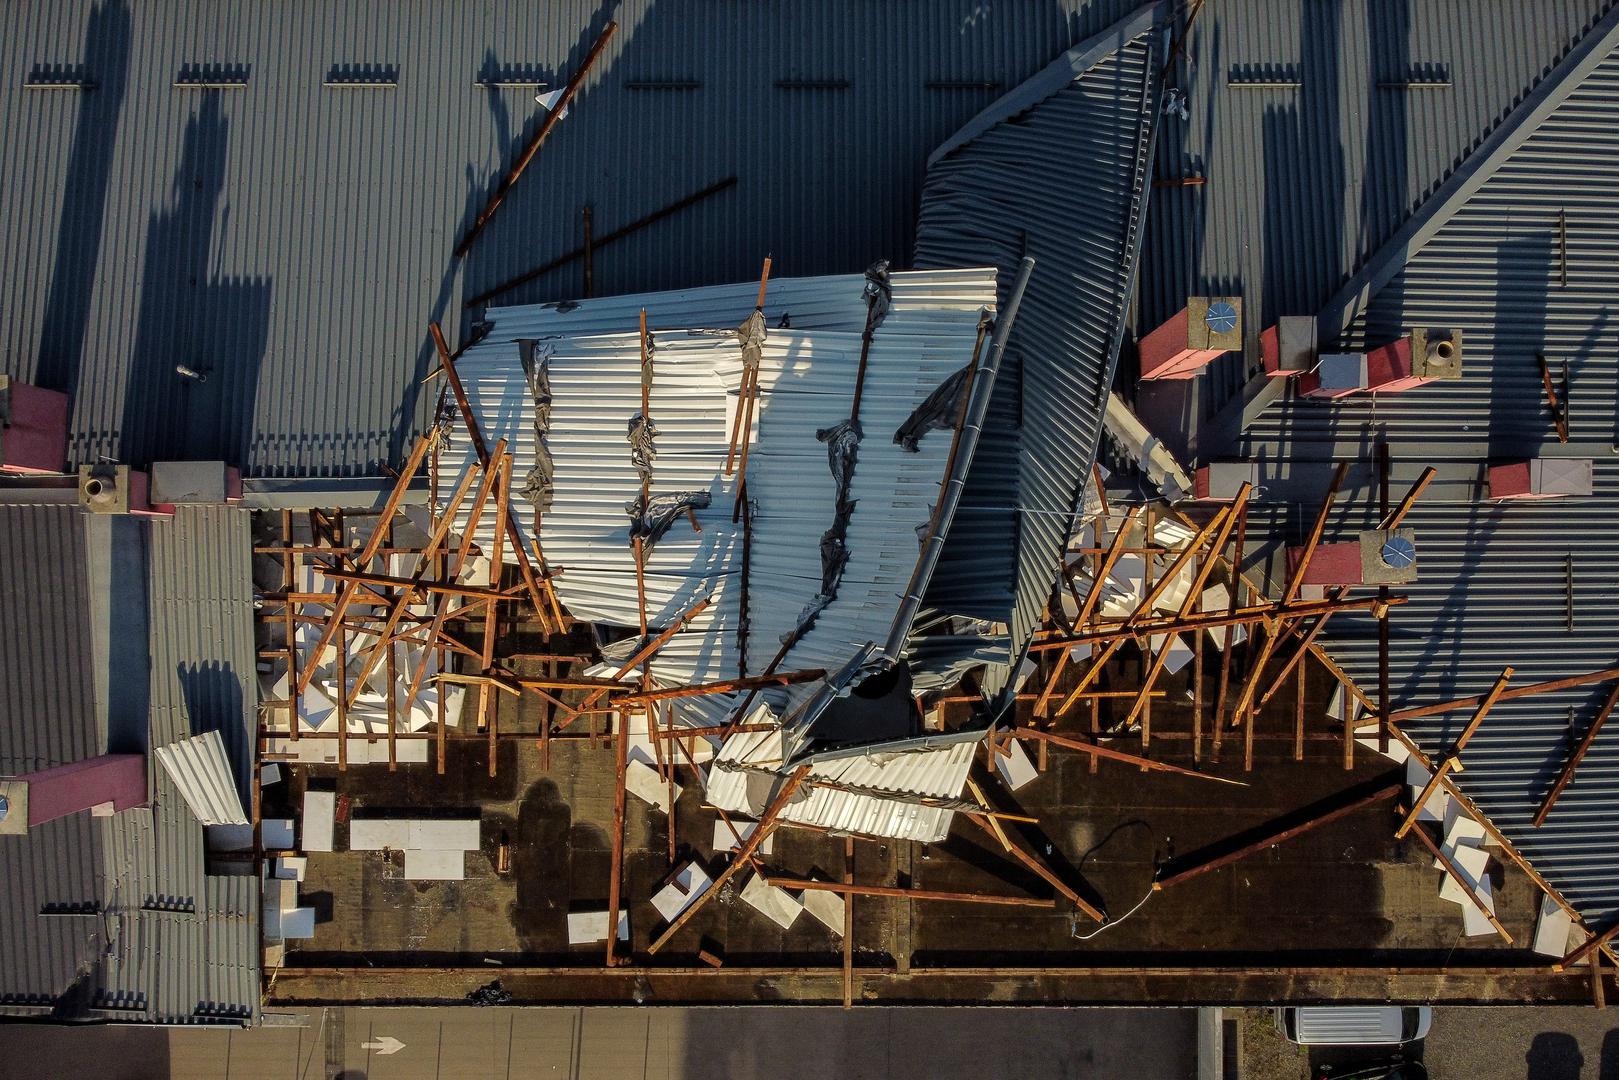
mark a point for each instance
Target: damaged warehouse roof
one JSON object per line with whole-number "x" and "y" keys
{"x": 825, "y": 570}
{"x": 1514, "y": 252}
{"x": 860, "y": 383}
{"x": 1058, "y": 169}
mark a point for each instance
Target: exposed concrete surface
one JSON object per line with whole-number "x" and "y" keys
{"x": 649, "y": 1044}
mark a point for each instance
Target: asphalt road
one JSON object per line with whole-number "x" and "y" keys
{"x": 775, "y": 1042}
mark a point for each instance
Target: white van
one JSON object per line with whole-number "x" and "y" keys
{"x": 1354, "y": 1025}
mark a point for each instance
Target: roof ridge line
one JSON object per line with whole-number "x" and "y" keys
{"x": 1068, "y": 66}
{"x": 1467, "y": 178}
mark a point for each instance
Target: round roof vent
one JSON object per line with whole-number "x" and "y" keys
{"x": 1222, "y": 317}
{"x": 1399, "y": 552}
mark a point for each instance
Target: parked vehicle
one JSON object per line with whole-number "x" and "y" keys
{"x": 1354, "y": 1025}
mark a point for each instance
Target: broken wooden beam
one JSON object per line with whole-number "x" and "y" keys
{"x": 1184, "y": 867}
{"x": 1450, "y": 760}
{"x": 1040, "y": 869}
{"x": 901, "y": 893}
{"x": 767, "y": 822}
{"x": 1550, "y": 686}
{"x": 1117, "y": 755}
{"x": 552, "y": 116}
{"x": 786, "y": 678}
{"x": 1566, "y": 774}
{"x": 1461, "y": 878}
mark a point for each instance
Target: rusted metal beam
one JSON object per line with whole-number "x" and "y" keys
{"x": 1566, "y": 774}
{"x": 533, "y": 148}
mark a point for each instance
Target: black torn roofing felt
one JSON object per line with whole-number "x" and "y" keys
{"x": 937, "y": 413}
{"x": 651, "y": 519}
{"x": 538, "y": 486}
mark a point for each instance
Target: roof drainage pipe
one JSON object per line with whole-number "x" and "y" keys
{"x": 950, "y": 495}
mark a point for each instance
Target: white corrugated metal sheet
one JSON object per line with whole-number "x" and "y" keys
{"x": 806, "y": 381}
{"x": 199, "y": 769}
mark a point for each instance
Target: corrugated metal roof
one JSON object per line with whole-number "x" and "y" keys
{"x": 1521, "y": 584}
{"x": 859, "y": 802}
{"x": 807, "y": 380}
{"x": 267, "y": 232}
{"x": 1056, "y": 170}
{"x": 153, "y": 936}
{"x": 45, "y": 656}
{"x": 1306, "y": 182}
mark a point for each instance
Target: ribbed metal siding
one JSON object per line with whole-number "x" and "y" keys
{"x": 1062, "y": 182}
{"x": 1305, "y": 183}
{"x": 46, "y": 697}
{"x": 1492, "y": 591}
{"x": 295, "y": 240}
{"x": 1494, "y": 270}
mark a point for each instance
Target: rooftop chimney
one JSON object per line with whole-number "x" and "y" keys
{"x": 106, "y": 784}
{"x": 1424, "y": 356}
{"x": 1219, "y": 481}
{"x": 1289, "y": 348}
{"x": 1208, "y": 327}
{"x": 1375, "y": 557}
{"x": 116, "y": 489}
{"x": 1541, "y": 478}
{"x": 33, "y": 428}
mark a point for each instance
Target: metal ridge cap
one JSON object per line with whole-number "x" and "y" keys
{"x": 1067, "y": 67}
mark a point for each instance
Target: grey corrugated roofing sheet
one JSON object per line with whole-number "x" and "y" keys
{"x": 1305, "y": 182}
{"x": 292, "y": 240}
{"x": 1521, "y": 584}
{"x": 46, "y": 695}
{"x": 166, "y": 942}
{"x": 1057, "y": 170}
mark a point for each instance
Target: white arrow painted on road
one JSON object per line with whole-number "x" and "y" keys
{"x": 384, "y": 1046}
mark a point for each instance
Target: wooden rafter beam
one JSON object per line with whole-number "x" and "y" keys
{"x": 900, "y": 893}
{"x": 1461, "y": 878}
{"x": 1265, "y": 614}
{"x": 1550, "y": 686}
{"x": 1566, "y": 774}
{"x": 767, "y": 823}
{"x": 1268, "y": 835}
{"x": 346, "y": 595}
{"x": 1143, "y": 609}
{"x": 1451, "y": 759}
{"x": 785, "y": 678}
{"x": 1093, "y": 596}
{"x": 643, "y": 654}
{"x": 1117, "y": 755}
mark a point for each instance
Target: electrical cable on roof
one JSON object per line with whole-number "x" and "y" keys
{"x": 1114, "y": 922}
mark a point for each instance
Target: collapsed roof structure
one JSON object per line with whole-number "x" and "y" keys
{"x": 778, "y": 529}
{"x": 849, "y": 408}
{"x": 1511, "y": 252}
